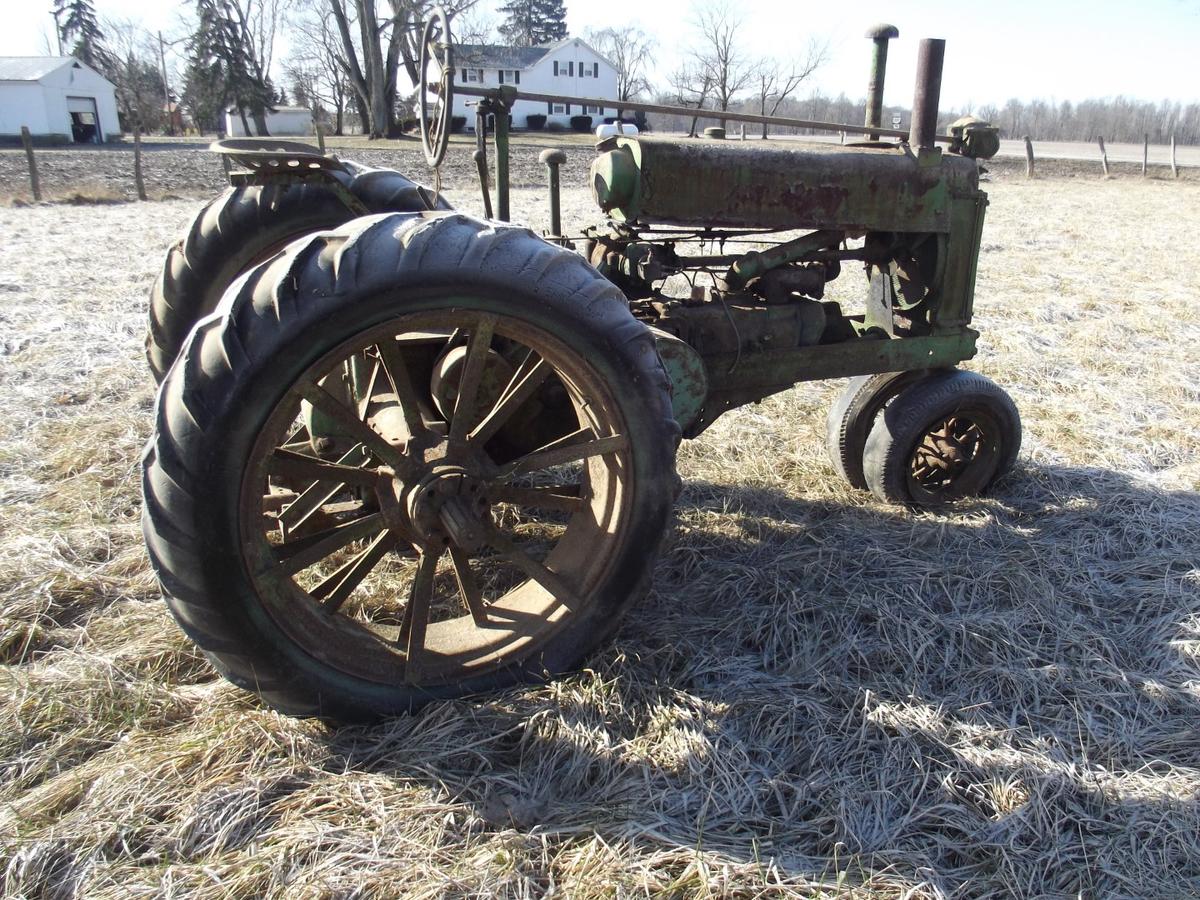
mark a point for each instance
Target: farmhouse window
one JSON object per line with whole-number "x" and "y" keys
{"x": 557, "y": 109}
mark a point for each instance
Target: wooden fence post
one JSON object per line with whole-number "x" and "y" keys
{"x": 1174, "y": 168}
{"x": 1028, "y": 157}
{"x": 34, "y": 181}
{"x": 321, "y": 137}
{"x": 1145, "y": 153}
{"x": 138, "y": 180}
{"x": 1103, "y": 157}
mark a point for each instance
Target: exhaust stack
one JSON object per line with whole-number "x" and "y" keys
{"x": 928, "y": 93}
{"x": 880, "y": 34}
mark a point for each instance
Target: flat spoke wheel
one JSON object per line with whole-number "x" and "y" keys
{"x": 440, "y": 551}
{"x": 854, "y": 412}
{"x": 417, "y": 457}
{"x": 436, "y": 68}
{"x": 944, "y": 438}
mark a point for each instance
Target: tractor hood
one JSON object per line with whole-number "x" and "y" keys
{"x": 786, "y": 184}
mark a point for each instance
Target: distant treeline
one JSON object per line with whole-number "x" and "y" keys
{"x": 1112, "y": 118}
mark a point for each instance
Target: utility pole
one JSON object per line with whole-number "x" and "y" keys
{"x": 162, "y": 61}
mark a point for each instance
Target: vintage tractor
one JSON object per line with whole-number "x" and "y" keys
{"x": 414, "y": 454}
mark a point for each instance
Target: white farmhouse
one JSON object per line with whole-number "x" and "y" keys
{"x": 58, "y": 98}
{"x": 568, "y": 68}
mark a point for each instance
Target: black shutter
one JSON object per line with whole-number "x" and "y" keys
{"x": 568, "y": 109}
{"x": 464, "y": 78}
{"x": 595, "y": 70}
{"x": 549, "y": 108}
{"x": 501, "y": 73}
{"x": 556, "y": 67}
{"x": 571, "y": 68}
{"x": 517, "y": 73}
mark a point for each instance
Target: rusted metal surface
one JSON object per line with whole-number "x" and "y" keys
{"x": 734, "y": 185}
{"x": 879, "y": 36}
{"x": 928, "y": 92}
{"x": 552, "y": 158}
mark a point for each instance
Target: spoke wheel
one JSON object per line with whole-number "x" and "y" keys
{"x": 414, "y": 458}
{"x": 944, "y": 438}
{"x": 442, "y": 554}
{"x": 437, "y": 52}
{"x": 852, "y": 415}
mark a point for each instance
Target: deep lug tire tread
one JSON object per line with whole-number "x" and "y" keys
{"x": 238, "y": 227}
{"x": 276, "y": 312}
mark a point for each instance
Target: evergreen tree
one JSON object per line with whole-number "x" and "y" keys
{"x": 219, "y": 46}
{"x": 532, "y": 22}
{"x": 76, "y": 21}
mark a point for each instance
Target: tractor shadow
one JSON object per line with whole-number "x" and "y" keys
{"x": 1003, "y": 697}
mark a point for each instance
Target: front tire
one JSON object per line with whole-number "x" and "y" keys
{"x": 943, "y": 439}
{"x": 441, "y": 563}
{"x": 854, "y": 413}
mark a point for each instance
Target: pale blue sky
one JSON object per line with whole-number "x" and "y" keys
{"x": 1023, "y": 48}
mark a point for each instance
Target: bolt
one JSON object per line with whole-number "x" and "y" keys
{"x": 552, "y": 158}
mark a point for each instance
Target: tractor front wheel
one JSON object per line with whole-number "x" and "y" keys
{"x": 852, "y": 415}
{"x": 943, "y": 438}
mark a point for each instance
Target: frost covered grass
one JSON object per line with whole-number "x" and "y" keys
{"x": 822, "y": 695}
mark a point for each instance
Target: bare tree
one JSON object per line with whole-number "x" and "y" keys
{"x": 629, "y": 49}
{"x": 317, "y": 63}
{"x": 692, "y": 86}
{"x": 725, "y": 67}
{"x": 130, "y": 62}
{"x": 476, "y": 25}
{"x": 776, "y": 82}
{"x": 375, "y": 45}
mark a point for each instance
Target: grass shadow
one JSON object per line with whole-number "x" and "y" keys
{"x": 994, "y": 702}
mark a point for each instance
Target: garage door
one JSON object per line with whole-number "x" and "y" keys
{"x": 81, "y": 105}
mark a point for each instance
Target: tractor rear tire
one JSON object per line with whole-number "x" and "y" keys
{"x": 243, "y": 227}
{"x": 942, "y": 439}
{"x": 852, "y": 415}
{"x": 223, "y": 426}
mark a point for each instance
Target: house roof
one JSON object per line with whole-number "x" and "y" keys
{"x": 31, "y": 68}
{"x": 495, "y": 56}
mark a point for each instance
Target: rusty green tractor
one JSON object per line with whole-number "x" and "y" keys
{"x": 403, "y": 453}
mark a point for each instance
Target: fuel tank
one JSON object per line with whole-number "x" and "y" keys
{"x": 735, "y": 184}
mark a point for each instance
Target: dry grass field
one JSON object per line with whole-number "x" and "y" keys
{"x": 822, "y": 696}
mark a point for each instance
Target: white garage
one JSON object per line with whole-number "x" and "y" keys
{"x": 281, "y": 121}
{"x": 58, "y": 98}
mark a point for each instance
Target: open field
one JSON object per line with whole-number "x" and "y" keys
{"x": 822, "y": 695}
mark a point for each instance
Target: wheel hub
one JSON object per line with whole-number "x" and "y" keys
{"x": 448, "y": 505}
